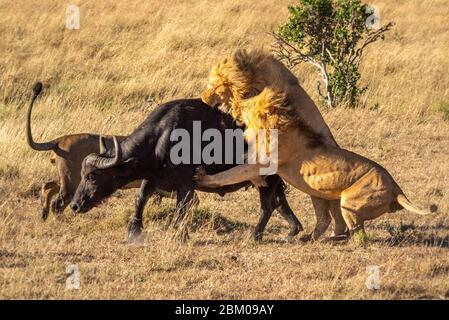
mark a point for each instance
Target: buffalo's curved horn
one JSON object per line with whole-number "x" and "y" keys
{"x": 102, "y": 143}
{"x": 102, "y": 162}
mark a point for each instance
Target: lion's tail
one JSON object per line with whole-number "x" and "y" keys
{"x": 406, "y": 204}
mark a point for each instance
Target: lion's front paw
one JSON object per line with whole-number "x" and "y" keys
{"x": 200, "y": 176}
{"x": 259, "y": 182}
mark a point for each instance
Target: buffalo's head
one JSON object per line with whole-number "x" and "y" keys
{"x": 101, "y": 175}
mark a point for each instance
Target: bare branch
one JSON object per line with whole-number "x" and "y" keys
{"x": 318, "y": 89}
{"x": 287, "y": 52}
{"x": 331, "y": 56}
{"x": 293, "y": 56}
{"x": 325, "y": 76}
{"x": 371, "y": 37}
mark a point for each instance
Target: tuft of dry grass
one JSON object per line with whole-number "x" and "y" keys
{"x": 130, "y": 55}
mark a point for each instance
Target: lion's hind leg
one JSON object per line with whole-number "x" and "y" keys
{"x": 365, "y": 200}
{"x": 356, "y": 211}
{"x": 340, "y": 231}
{"x": 353, "y": 221}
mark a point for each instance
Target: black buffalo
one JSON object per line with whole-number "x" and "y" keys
{"x": 145, "y": 154}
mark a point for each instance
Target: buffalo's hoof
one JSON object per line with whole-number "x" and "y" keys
{"x": 182, "y": 236}
{"x": 294, "y": 232}
{"x": 306, "y": 238}
{"x": 257, "y": 236}
{"x": 58, "y": 213}
{"x": 135, "y": 230}
{"x": 58, "y": 206}
{"x": 44, "y": 214}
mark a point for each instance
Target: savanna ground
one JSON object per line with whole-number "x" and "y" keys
{"x": 129, "y": 56}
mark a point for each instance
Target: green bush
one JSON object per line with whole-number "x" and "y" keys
{"x": 331, "y": 35}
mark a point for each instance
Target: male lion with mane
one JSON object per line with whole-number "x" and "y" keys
{"x": 308, "y": 157}
{"x": 245, "y": 75}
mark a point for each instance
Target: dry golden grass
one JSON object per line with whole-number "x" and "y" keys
{"x": 129, "y": 56}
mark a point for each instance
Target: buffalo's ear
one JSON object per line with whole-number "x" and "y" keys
{"x": 131, "y": 162}
{"x": 127, "y": 167}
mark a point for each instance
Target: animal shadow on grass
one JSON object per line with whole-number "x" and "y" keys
{"x": 10, "y": 259}
{"x": 414, "y": 292}
{"x": 407, "y": 234}
{"x": 199, "y": 219}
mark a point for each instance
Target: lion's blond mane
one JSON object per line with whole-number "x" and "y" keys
{"x": 259, "y": 84}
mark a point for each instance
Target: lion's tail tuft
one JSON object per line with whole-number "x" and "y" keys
{"x": 406, "y": 204}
